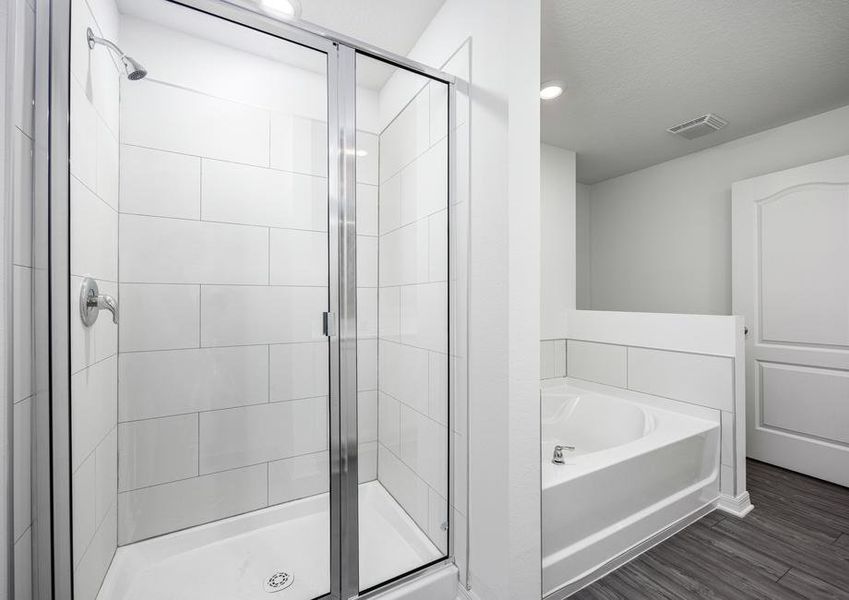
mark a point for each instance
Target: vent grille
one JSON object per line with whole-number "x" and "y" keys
{"x": 698, "y": 127}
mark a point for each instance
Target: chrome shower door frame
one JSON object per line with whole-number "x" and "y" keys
{"x": 54, "y": 548}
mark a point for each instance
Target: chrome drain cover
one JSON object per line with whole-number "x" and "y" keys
{"x": 279, "y": 581}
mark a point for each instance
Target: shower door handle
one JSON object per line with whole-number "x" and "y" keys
{"x": 92, "y": 301}
{"x": 329, "y": 324}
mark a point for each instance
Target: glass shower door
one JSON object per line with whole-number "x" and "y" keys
{"x": 199, "y": 281}
{"x": 403, "y": 314}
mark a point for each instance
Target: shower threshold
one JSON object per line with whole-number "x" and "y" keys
{"x": 234, "y": 557}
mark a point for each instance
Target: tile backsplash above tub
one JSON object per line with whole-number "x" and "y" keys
{"x": 552, "y": 359}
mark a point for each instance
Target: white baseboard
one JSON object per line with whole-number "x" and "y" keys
{"x": 738, "y": 506}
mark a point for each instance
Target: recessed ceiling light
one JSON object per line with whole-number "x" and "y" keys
{"x": 290, "y": 8}
{"x": 551, "y": 90}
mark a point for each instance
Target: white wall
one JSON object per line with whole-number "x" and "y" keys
{"x": 661, "y": 237}
{"x": 503, "y": 137}
{"x": 583, "y": 285}
{"x": 557, "y": 220}
{"x": 237, "y": 206}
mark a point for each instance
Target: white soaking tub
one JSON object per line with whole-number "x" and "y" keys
{"x": 636, "y": 471}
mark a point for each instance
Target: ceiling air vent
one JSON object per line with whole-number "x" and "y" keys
{"x": 698, "y": 127}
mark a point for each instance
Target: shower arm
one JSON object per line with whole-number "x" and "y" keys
{"x": 93, "y": 39}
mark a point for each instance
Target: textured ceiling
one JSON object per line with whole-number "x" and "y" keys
{"x": 632, "y": 68}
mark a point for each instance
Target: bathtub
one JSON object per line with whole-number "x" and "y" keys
{"x": 637, "y": 470}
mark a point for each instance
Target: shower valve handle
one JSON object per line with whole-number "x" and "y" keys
{"x": 557, "y": 459}
{"x": 92, "y": 301}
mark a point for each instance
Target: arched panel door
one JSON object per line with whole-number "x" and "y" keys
{"x": 791, "y": 281}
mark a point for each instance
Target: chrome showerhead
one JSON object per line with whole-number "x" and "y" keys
{"x": 134, "y": 69}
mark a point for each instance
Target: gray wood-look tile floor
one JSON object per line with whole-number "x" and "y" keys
{"x": 794, "y": 545}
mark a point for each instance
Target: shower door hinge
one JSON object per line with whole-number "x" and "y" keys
{"x": 329, "y": 320}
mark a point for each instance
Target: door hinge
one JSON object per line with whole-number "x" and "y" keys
{"x": 329, "y": 323}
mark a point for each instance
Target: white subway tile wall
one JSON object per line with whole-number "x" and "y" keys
{"x": 413, "y": 311}
{"x": 94, "y": 221}
{"x": 223, "y": 365}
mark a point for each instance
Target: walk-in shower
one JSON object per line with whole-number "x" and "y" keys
{"x": 266, "y": 226}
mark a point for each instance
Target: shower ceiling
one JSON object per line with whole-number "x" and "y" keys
{"x": 376, "y": 22}
{"x": 634, "y": 67}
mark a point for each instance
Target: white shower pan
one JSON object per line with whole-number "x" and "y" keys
{"x": 233, "y": 558}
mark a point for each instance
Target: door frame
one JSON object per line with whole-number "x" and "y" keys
{"x": 52, "y": 477}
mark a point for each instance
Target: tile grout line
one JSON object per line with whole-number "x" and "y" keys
{"x": 227, "y": 470}
{"x": 197, "y": 415}
{"x": 200, "y": 188}
{"x": 790, "y": 568}
{"x": 234, "y": 162}
{"x": 200, "y": 316}
{"x": 219, "y": 347}
{"x": 213, "y": 410}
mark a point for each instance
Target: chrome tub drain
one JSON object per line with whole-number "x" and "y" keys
{"x": 279, "y": 581}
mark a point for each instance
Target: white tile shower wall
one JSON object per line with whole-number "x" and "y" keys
{"x": 223, "y": 279}
{"x": 413, "y": 320}
{"x": 94, "y": 252}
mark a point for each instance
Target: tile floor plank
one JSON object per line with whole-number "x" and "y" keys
{"x": 812, "y": 587}
{"x": 794, "y": 545}
{"x": 750, "y": 558}
{"x": 723, "y": 572}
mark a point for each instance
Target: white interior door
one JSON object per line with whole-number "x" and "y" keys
{"x": 791, "y": 282}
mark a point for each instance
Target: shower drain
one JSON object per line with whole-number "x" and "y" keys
{"x": 279, "y": 581}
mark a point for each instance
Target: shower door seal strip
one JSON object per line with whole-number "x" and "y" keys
{"x": 334, "y": 209}
{"x": 53, "y": 122}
